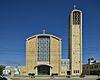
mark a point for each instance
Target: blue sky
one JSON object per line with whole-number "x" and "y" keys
{"x": 20, "y": 19}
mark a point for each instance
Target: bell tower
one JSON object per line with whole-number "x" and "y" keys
{"x": 75, "y": 41}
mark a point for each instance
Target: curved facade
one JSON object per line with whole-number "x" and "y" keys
{"x": 43, "y": 55}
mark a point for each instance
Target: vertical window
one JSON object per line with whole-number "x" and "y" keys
{"x": 78, "y": 71}
{"x": 87, "y": 67}
{"x": 76, "y": 17}
{"x": 43, "y": 48}
{"x": 74, "y": 71}
{"x": 99, "y": 65}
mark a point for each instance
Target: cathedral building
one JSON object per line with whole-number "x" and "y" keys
{"x": 44, "y": 51}
{"x": 43, "y": 55}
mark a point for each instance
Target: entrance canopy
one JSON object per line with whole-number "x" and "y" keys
{"x": 43, "y": 65}
{"x": 43, "y": 69}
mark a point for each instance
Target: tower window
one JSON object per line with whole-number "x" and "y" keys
{"x": 76, "y": 18}
{"x": 77, "y": 71}
{"x": 74, "y": 71}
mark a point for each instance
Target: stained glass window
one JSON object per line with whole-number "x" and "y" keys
{"x": 43, "y": 48}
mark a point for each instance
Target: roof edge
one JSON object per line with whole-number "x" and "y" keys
{"x": 43, "y": 35}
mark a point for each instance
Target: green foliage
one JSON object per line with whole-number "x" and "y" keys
{"x": 82, "y": 75}
{"x": 98, "y": 74}
{"x": 1, "y": 69}
{"x": 9, "y": 73}
{"x": 31, "y": 74}
{"x": 54, "y": 74}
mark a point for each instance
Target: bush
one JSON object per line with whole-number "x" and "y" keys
{"x": 31, "y": 74}
{"x": 82, "y": 75}
{"x": 9, "y": 73}
{"x": 98, "y": 74}
{"x": 1, "y": 69}
{"x": 54, "y": 74}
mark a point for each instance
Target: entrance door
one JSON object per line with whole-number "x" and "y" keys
{"x": 43, "y": 70}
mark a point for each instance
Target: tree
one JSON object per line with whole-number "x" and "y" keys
{"x": 1, "y": 69}
{"x": 98, "y": 73}
{"x": 82, "y": 75}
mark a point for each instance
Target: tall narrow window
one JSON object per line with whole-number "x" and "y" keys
{"x": 43, "y": 48}
{"x": 76, "y": 17}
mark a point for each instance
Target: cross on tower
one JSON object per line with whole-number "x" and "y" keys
{"x": 74, "y": 7}
{"x": 44, "y": 31}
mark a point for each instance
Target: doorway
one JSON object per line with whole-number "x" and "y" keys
{"x": 43, "y": 70}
